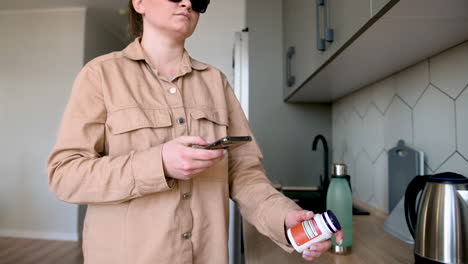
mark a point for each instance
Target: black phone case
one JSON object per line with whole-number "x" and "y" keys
{"x": 226, "y": 143}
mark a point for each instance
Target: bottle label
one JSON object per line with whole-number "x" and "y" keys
{"x": 304, "y": 232}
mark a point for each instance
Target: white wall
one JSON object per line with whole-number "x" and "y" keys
{"x": 284, "y": 131}
{"x": 426, "y": 105}
{"x": 213, "y": 39}
{"x": 98, "y": 39}
{"x": 41, "y": 52}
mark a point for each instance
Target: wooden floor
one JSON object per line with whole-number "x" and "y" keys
{"x": 33, "y": 251}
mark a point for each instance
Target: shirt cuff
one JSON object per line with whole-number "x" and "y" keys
{"x": 148, "y": 172}
{"x": 277, "y": 216}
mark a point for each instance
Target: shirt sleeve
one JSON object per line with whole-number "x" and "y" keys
{"x": 77, "y": 168}
{"x": 258, "y": 201}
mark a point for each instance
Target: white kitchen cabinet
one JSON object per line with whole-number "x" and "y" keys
{"x": 302, "y": 27}
{"x": 299, "y": 32}
{"x": 396, "y": 35}
{"x": 346, "y": 18}
{"x": 377, "y": 6}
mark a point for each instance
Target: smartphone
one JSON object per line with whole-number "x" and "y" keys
{"x": 226, "y": 143}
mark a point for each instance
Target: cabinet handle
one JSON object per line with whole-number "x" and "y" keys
{"x": 327, "y": 30}
{"x": 320, "y": 41}
{"x": 291, "y": 79}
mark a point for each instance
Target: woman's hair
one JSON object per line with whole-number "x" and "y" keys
{"x": 135, "y": 21}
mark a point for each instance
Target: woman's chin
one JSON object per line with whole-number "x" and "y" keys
{"x": 182, "y": 32}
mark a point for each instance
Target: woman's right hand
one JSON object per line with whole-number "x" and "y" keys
{"x": 181, "y": 161}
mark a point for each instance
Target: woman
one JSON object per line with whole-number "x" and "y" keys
{"x": 124, "y": 149}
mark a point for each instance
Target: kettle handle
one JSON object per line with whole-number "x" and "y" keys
{"x": 414, "y": 187}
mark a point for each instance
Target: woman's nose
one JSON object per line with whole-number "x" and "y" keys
{"x": 186, "y": 3}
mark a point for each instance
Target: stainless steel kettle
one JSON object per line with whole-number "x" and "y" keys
{"x": 438, "y": 220}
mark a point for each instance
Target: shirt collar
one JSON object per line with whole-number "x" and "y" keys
{"x": 134, "y": 51}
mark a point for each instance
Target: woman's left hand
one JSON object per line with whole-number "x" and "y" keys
{"x": 315, "y": 250}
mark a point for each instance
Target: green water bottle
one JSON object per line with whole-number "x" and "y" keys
{"x": 340, "y": 201}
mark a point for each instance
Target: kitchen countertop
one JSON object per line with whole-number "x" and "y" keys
{"x": 370, "y": 245}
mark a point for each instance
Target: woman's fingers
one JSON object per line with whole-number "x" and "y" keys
{"x": 339, "y": 236}
{"x": 322, "y": 246}
{"x": 316, "y": 250}
{"x": 310, "y": 254}
{"x": 190, "y": 153}
{"x": 183, "y": 162}
{"x": 193, "y": 165}
{"x": 295, "y": 217}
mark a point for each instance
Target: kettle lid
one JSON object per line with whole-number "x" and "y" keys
{"x": 448, "y": 177}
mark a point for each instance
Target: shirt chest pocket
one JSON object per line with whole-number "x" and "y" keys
{"x": 210, "y": 124}
{"x": 138, "y": 129}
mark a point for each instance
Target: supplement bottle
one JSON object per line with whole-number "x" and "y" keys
{"x": 315, "y": 230}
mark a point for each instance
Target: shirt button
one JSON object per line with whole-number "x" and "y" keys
{"x": 180, "y": 121}
{"x": 187, "y": 235}
{"x": 186, "y": 196}
{"x": 172, "y": 90}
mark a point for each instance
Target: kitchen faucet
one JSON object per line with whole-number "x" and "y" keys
{"x": 325, "y": 181}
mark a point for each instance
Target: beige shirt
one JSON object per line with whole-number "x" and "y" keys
{"x": 108, "y": 155}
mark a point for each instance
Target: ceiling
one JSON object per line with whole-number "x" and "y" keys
{"x": 107, "y": 11}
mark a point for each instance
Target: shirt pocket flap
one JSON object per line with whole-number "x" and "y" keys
{"x": 219, "y": 117}
{"x": 125, "y": 120}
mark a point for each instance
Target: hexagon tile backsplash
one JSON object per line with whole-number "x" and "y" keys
{"x": 426, "y": 105}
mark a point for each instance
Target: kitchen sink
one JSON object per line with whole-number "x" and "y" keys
{"x": 311, "y": 198}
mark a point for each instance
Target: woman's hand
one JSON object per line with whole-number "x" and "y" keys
{"x": 315, "y": 250}
{"x": 181, "y": 161}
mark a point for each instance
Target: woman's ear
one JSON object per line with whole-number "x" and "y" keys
{"x": 139, "y": 6}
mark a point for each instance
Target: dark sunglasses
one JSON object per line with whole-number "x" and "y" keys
{"x": 199, "y": 6}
